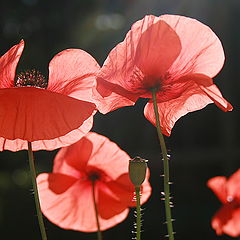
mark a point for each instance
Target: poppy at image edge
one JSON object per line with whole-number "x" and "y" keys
{"x": 175, "y": 56}
{"x": 227, "y": 218}
{"x": 66, "y": 193}
{"x": 49, "y": 113}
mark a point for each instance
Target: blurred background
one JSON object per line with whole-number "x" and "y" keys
{"x": 203, "y": 144}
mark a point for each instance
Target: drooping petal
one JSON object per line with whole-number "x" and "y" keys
{"x": 201, "y": 50}
{"x": 74, "y": 207}
{"x": 216, "y": 96}
{"x": 219, "y": 186}
{"x": 93, "y": 150}
{"x": 72, "y": 72}
{"x": 227, "y": 220}
{"x": 206, "y": 84}
{"x": 8, "y": 64}
{"x": 34, "y": 114}
{"x": 191, "y": 99}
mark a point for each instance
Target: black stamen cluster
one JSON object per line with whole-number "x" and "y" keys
{"x": 31, "y": 78}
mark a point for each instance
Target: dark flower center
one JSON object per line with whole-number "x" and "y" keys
{"x": 93, "y": 176}
{"x": 31, "y": 78}
{"x": 150, "y": 82}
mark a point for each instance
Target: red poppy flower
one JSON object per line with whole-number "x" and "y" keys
{"x": 227, "y": 219}
{"x": 66, "y": 194}
{"x": 176, "y": 55}
{"x": 52, "y": 113}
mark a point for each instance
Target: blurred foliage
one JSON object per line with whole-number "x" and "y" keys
{"x": 203, "y": 144}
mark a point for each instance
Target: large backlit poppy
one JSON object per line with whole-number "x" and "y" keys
{"x": 66, "y": 194}
{"x": 227, "y": 219}
{"x": 175, "y": 55}
{"x": 48, "y": 113}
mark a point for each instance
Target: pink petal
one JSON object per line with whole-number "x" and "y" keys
{"x": 192, "y": 99}
{"x": 72, "y": 72}
{"x": 92, "y": 151}
{"x": 73, "y": 208}
{"x": 232, "y": 228}
{"x": 72, "y": 160}
{"x": 218, "y": 186}
{"x": 124, "y": 190}
{"x": 63, "y": 141}
{"x": 233, "y": 185}
{"x": 210, "y": 89}
{"x": 109, "y": 97}
{"x": 201, "y": 50}
{"x": 42, "y": 117}
{"x": 109, "y": 204}
{"x": 157, "y": 48}
{"x": 8, "y": 64}
{"x": 227, "y": 220}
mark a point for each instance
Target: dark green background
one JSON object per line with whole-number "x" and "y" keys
{"x": 203, "y": 144}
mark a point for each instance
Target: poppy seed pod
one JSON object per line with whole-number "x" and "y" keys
{"x": 137, "y": 170}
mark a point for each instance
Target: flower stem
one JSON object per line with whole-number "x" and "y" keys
{"x": 165, "y": 169}
{"x": 99, "y": 233}
{"x": 35, "y": 191}
{"x": 137, "y": 190}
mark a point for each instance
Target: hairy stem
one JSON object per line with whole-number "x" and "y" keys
{"x": 35, "y": 191}
{"x": 138, "y": 236}
{"x": 165, "y": 169}
{"x": 99, "y": 233}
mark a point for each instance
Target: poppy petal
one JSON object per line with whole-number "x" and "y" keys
{"x": 73, "y": 159}
{"x": 201, "y": 50}
{"x": 98, "y": 152}
{"x": 8, "y": 64}
{"x": 72, "y": 73}
{"x": 107, "y": 154}
{"x": 233, "y": 185}
{"x": 157, "y": 48}
{"x": 192, "y": 99}
{"x": 109, "y": 204}
{"x": 219, "y": 186}
{"x": 109, "y": 96}
{"x": 227, "y": 220}
{"x": 232, "y": 228}
{"x": 210, "y": 89}
{"x": 215, "y": 95}
{"x": 34, "y": 114}
{"x": 73, "y": 208}
{"x": 124, "y": 189}
{"x": 63, "y": 141}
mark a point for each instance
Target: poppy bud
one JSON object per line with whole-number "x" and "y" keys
{"x": 137, "y": 170}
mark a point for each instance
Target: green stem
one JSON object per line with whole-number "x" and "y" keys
{"x": 137, "y": 190}
{"x": 35, "y": 191}
{"x": 99, "y": 233}
{"x": 165, "y": 169}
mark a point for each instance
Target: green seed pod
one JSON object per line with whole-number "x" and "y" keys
{"x": 137, "y": 170}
